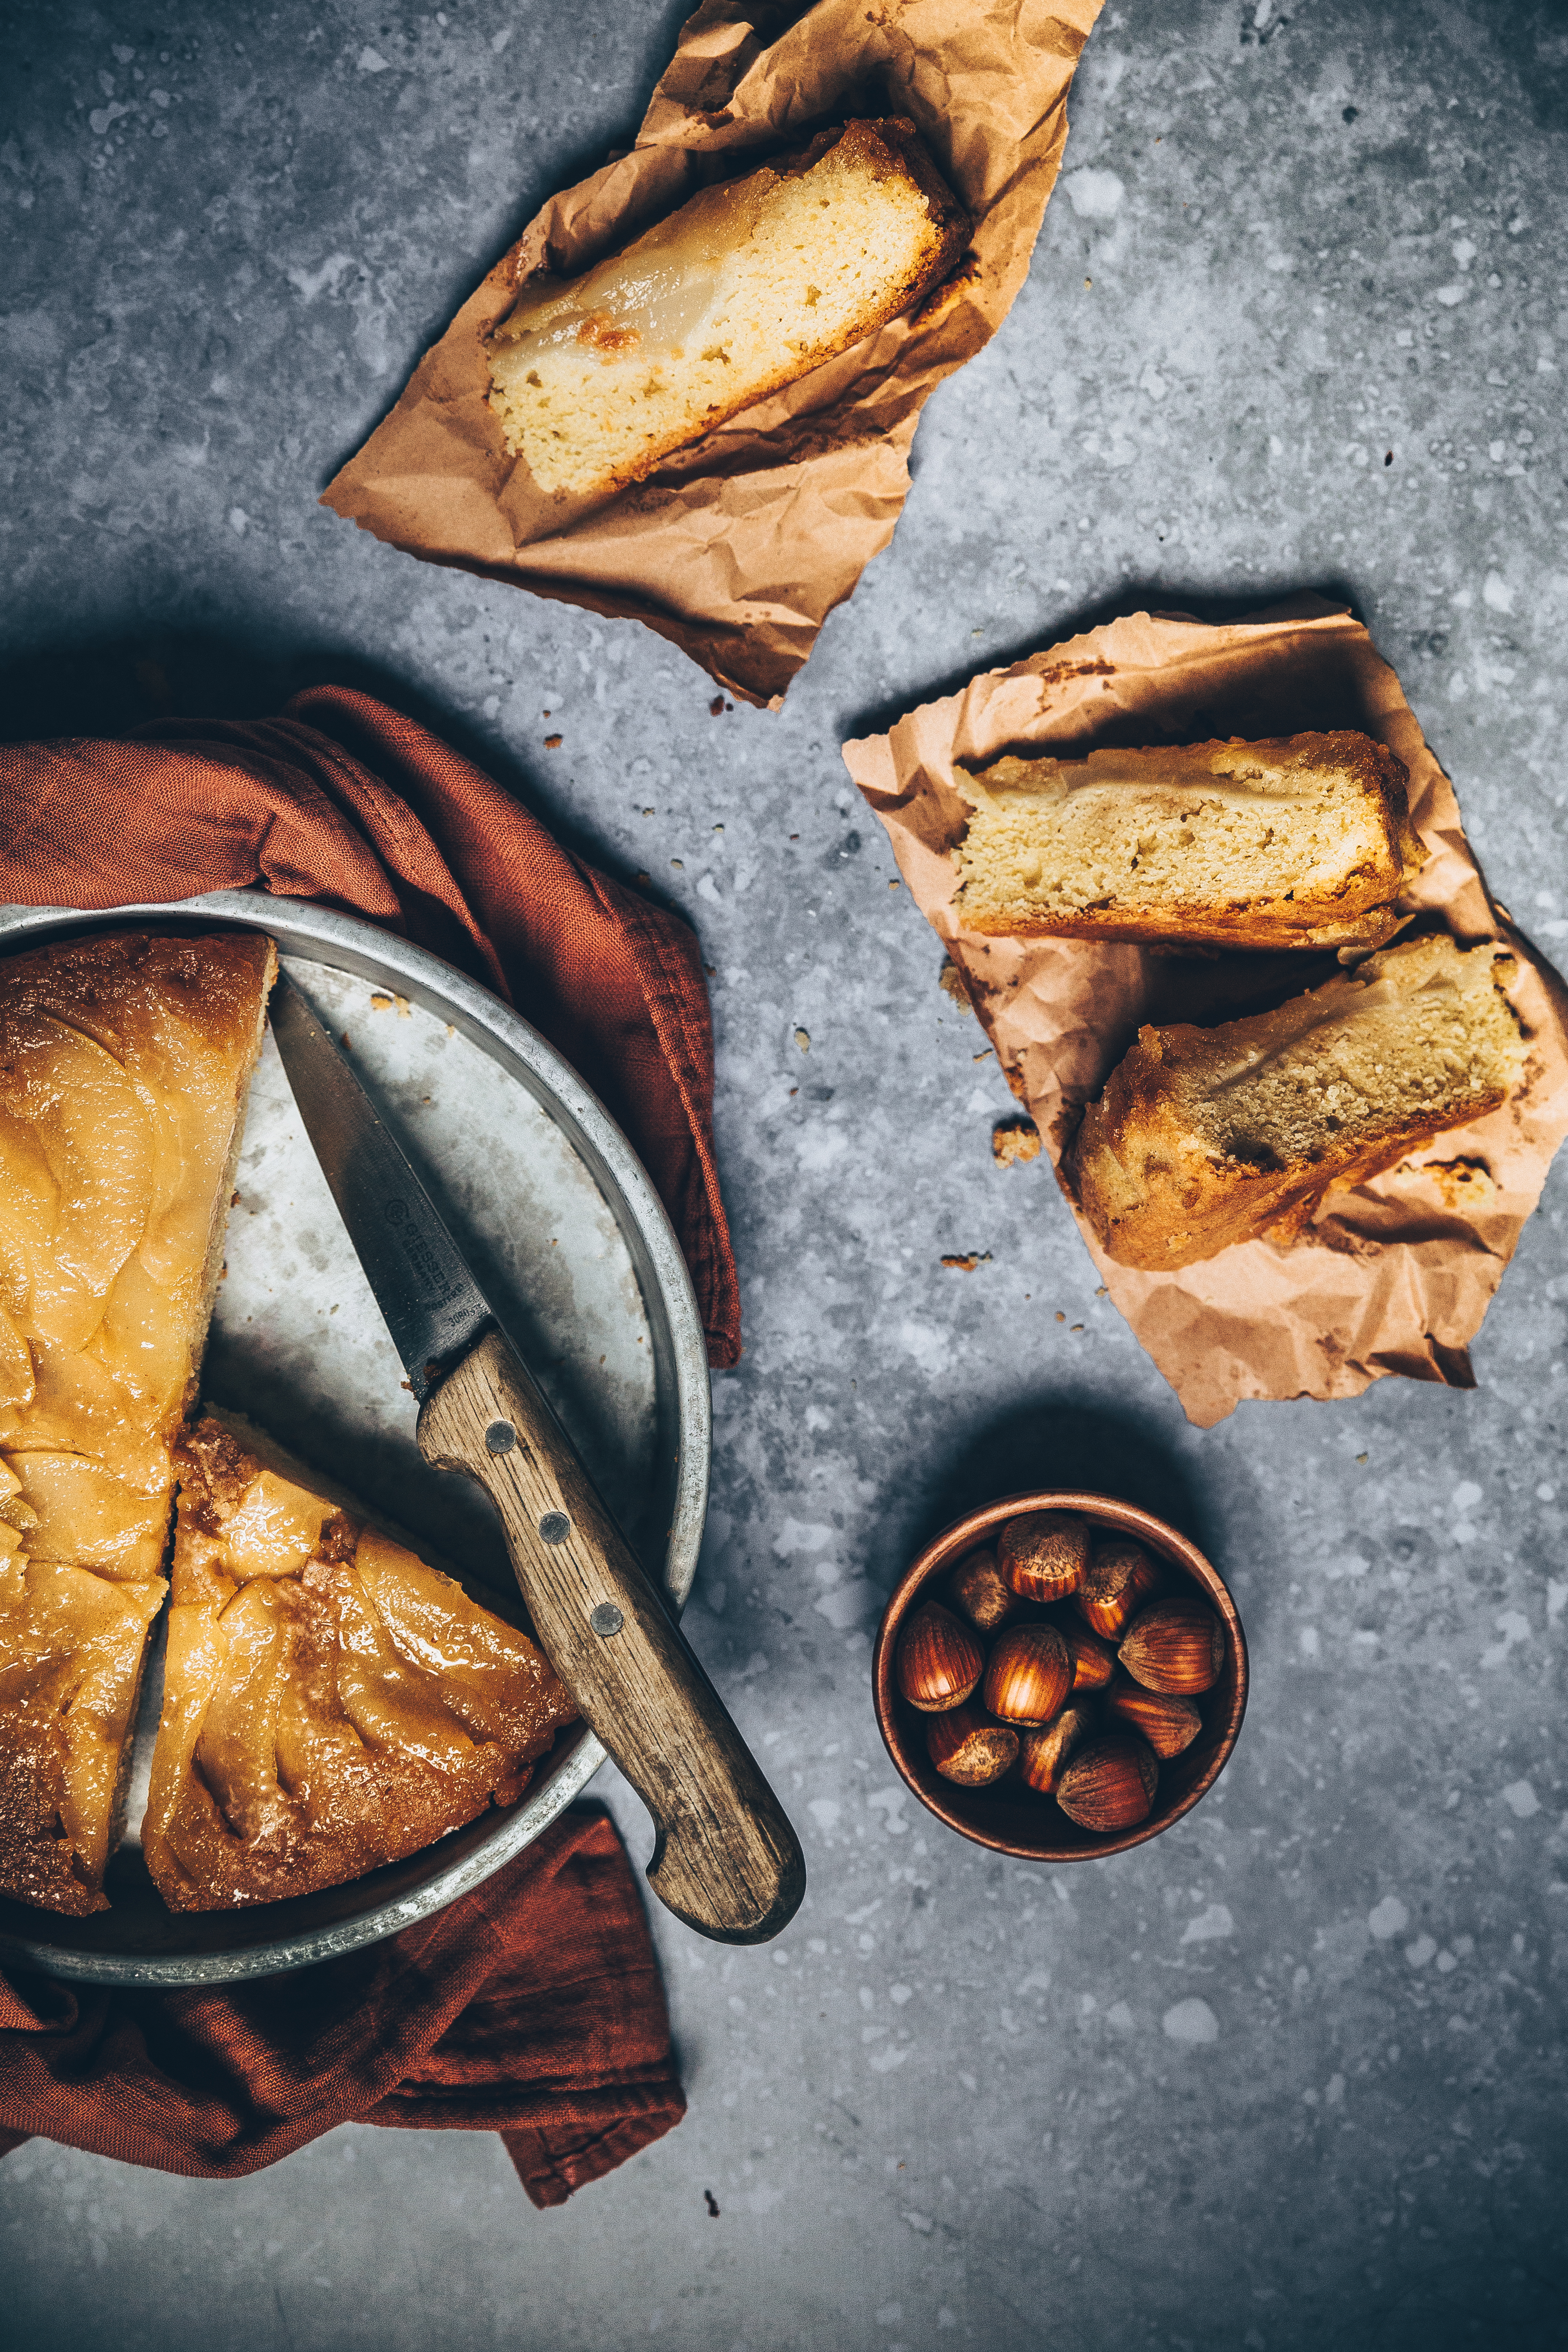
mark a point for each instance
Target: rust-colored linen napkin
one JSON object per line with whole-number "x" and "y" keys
{"x": 345, "y": 802}
{"x": 532, "y": 2007}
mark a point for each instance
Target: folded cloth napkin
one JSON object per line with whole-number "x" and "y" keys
{"x": 532, "y": 2007}
{"x": 345, "y": 802}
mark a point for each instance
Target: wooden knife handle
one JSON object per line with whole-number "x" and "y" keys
{"x": 727, "y": 1861}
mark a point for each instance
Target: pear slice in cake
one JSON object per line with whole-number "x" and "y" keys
{"x": 331, "y": 1702}
{"x": 750, "y": 284}
{"x": 126, "y": 1060}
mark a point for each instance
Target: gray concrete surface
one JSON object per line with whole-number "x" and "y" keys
{"x": 1294, "y": 2074}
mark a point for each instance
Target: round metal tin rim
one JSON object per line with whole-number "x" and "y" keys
{"x": 323, "y": 936}
{"x": 963, "y": 1537}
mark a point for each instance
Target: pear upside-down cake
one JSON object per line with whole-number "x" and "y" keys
{"x": 331, "y": 1702}
{"x": 124, "y": 1065}
{"x": 750, "y": 284}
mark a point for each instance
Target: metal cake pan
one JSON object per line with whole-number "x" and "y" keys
{"x": 565, "y": 1230}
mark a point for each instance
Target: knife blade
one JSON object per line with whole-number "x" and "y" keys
{"x": 725, "y": 1859}
{"x": 431, "y": 1304}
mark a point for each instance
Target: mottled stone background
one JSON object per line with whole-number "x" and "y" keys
{"x": 1293, "y": 2075}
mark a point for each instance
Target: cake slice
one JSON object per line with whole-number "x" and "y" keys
{"x": 125, "y": 1059}
{"x": 1301, "y": 841}
{"x": 750, "y": 285}
{"x": 1206, "y": 1137}
{"x": 331, "y": 1702}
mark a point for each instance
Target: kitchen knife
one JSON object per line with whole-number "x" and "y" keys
{"x": 726, "y": 1861}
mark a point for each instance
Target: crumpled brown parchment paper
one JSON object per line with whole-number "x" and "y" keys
{"x": 739, "y": 548}
{"x": 1393, "y": 1277}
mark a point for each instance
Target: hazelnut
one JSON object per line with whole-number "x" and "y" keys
{"x": 1044, "y": 1754}
{"x": 1109, "y": 1784}
{"x": 1176, "y": 1645}
{"x": 978, "y": 1588}
{"x": 1028, "y": 1675}
{"x": 1168, "y": 1723}
{"x": 966, "y": 1748}
{"x": 1118, "y": 1579}
{"x": 1092, "y": 1663}
{"x": 1043, "y": 1557}
{"x": 939, "y": 1662}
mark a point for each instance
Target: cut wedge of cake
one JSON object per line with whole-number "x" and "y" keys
{"x": 1207, "y": 1136}
{"x": 124, "y": 1065}
{"x": 1301, "y": 841}
{"x": 750, "y": 285}
{"x": 331, "y": 1702}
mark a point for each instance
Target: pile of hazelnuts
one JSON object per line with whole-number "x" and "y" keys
{"x": 1064, "y": 1662}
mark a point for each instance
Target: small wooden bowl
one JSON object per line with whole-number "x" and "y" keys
{"x": 1008, "y": 1817}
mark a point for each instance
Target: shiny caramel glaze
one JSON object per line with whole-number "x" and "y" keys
{"x": 331, "y": 1702}
{"x": 124, "y": 1061}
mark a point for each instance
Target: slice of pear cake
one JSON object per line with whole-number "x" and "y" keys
{"x": 751, "y": 285}
{"x": 126, "y": 1060}
{"x": 331, "y": 1702}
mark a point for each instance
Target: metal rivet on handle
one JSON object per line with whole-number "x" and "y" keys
{"x": 606, "y": 1619}
{"x": 500, "y": 1437}
{"x": 555, "y": 1526}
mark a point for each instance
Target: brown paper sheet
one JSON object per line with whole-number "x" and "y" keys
{"x": 739, "y": 548}
{"x": 1392, "y": 1277}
